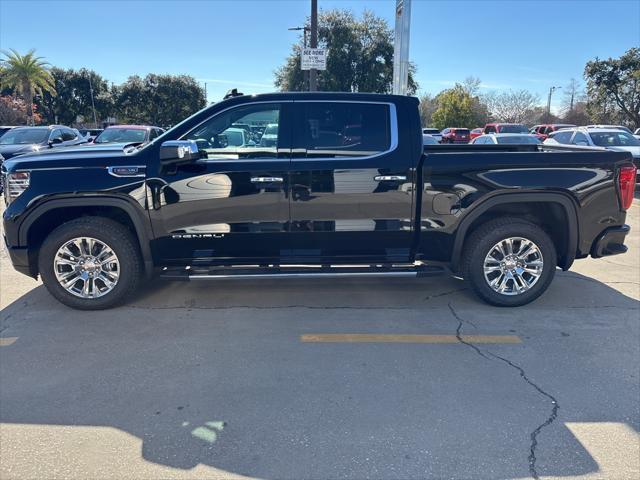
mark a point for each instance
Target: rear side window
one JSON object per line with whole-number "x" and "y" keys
{"x": 345, "y": 130}
{"x": 562, "y": 136}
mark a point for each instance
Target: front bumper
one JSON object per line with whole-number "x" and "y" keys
{"x": 610, "y": 242}
{"x": 19, "y": 257}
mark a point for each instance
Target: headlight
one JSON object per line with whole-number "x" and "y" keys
{"x": 15, "y": 184}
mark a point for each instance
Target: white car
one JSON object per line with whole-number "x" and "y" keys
{"x": 434, "y": 132}
{"x": 609, "y": 138}
{"x": 429, "y": 140}
{"x": 506, "y": 139}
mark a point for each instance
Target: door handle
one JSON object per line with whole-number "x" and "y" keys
{"x": 390, "y": 178}
{"x": 267, "y": 179}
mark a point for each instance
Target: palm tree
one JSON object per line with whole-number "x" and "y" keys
{"x": 28, "y": 75}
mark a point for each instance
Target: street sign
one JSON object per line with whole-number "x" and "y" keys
{"x": 314, "y": 58}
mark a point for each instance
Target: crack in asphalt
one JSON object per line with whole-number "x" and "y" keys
{"x": 488, "y": 355}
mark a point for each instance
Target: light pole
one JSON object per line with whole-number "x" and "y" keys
{"x": 551, "y": 90}
{"x": 305, "y": 73}
{"x": 93, "y": 105}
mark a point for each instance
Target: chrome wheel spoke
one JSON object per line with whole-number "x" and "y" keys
{"x": 86, "y": 267}
{"x": 518, "y": 270}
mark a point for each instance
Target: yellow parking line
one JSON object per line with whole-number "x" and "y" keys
{"x": 6, "y": 341}
{"x": 380, "y": 338}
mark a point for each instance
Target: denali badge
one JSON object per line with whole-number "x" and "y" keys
{"x": 180, "y": 236}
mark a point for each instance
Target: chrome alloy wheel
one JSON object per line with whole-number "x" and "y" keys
{"x": 513, "y": 266}
{"x": 86, "y": 267}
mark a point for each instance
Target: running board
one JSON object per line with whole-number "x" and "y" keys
{"x": 299, "y": 271}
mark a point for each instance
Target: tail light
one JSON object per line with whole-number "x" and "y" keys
{"x": 626, "y": 184}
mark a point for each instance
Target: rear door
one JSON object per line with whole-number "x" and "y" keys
{"x": 351, "y": 186}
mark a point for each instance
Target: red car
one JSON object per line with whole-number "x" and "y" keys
{"x": 543, "y": 131}
{"x": 505, "y": 128}
{"x": 456, "y": 135}
{"x": 476, "y": 132}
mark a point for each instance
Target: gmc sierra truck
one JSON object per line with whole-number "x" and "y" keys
{"x": 310, "y": 185}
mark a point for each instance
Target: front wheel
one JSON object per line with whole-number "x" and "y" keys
{"x": 91, "y": 263}
{"x": 509, "y": 262}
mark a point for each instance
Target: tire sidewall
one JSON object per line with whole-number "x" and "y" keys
{"x": 475, "y": 264}
{"x": 112, "y": 236}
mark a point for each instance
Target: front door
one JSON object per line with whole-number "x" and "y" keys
{"x": 351, "y": 197}
{"x": 232, "y": 205}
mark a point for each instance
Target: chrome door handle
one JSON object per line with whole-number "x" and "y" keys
{"x": 390, "y": 178}
{"x": 267, "y": 179}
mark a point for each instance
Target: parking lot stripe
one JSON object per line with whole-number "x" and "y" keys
{"x": 394, "y": 338}
{"x": 6, "y": 341}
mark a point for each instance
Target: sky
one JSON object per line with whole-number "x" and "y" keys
{"x": 508, "y": 44}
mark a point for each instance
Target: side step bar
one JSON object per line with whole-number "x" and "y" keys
{"x": 299, "y": 271}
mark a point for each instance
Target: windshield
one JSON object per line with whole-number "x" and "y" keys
{"x": 24, "y": 136}
{"x": 517, "y": 139}
{"x": 612, "y": 139}
{"x": 512, "y": 129}
{"x": 121, "y": 135}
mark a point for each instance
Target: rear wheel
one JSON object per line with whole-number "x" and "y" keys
{"x": 509, "y": 262}
{"x": 91, "y": 263}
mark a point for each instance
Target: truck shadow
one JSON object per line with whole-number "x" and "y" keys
{"x": 216, "y": 374}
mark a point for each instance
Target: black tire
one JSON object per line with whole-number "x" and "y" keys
{"x": 111, "y": 233}
{"x": 482, "y": 241}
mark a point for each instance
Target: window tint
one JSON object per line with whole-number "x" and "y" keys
{"x": 580, "y": 137}
{"x": 563, "y": 136}
{"x": 68, "y": 135}
{"x": 490, "y": 129}
{"x": 249, "y": 131}
{"x": 337, "y": 130}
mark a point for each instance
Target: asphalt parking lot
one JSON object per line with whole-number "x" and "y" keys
{"x": 267, "y": 380}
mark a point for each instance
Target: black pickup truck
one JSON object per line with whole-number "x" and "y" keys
{"x": 310, "y": 184}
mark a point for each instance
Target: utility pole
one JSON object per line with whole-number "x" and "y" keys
{"x": 93, "y": 105}
{"x": 551, "y": 90}
{"x": 305, "y": 73}
{"x": 401, "y": 47}
{"x": 313, "y": 73}
{"x": 206, "y": 100}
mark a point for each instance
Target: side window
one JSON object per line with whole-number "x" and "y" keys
{"x": 490, "y": 129}
{"x": 57, "y": 133}
{"x": 152, "y": 134}
{"x": 480, "y": 141}
{"x": 345, "y": 130}
{"x": 580, "y": 139}
{"x": 563, "y": 136}
{"x": 68, "y": 135}
{"x": 248, "y": 131}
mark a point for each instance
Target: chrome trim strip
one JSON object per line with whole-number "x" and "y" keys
{"x": 304, "y": 275}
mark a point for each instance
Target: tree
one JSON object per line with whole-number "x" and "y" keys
{"x": 28, "y": 75}
{"x": 614, "y": 84}
{"x": 13, "y": 111}
{"x": 162, "y": 100}
{"x": 456, "y": 108}
{"x": 359, "y": 56}
{"x": 513, "y": 106}
{"x": 73, "y": 97}
{"x": 428, "y": 106}
{"x": 572, "y": 94}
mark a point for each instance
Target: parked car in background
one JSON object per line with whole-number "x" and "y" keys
{"x": 609, "y": 138}
{"x": 616, "y": 127}
{"x": 429, "y": 140}
{"x": 637, "y": 133}
{"x": 476, "y": 132}
{"x": 270, "y": 136}
{"x": 21, "y": 140}
{"x": 434, "y": 132}
{"x": 90, "y": 133}
{"x": 5, "y": 128}
{"x": 505, "y": 128}
{"x": 506, "y": 139}
{"x": 542, "y": 131}
{"x": 455, "y": 135}
{"x": 128, "y": 134}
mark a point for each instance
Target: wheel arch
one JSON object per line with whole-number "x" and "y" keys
{"x": 565, "y": 240}
{"x": 40, "y": 222}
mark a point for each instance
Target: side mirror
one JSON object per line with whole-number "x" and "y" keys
{"x": 55, "y": 141}
{"x": 179, "y": 151}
